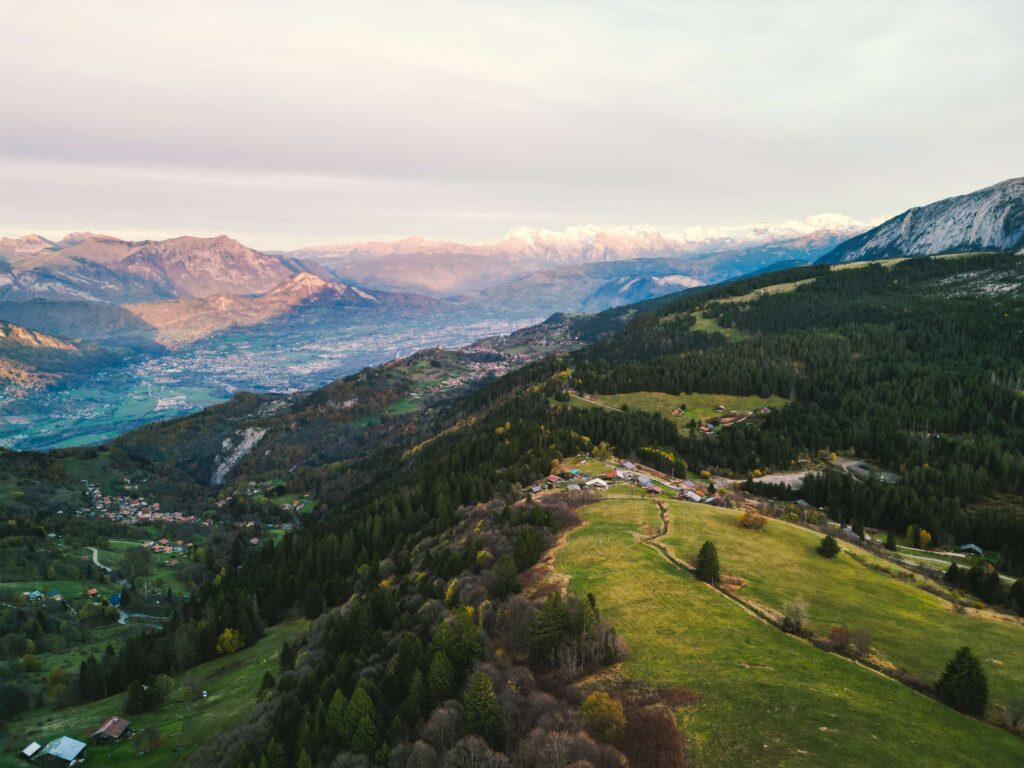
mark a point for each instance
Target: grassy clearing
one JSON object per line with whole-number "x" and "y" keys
{"x": 699, "y": 405}
{"x": 913, "y": 629}
{"x": 768, "y": 290}
{"x": 765, "y": 699}
{"x": 232, "y": 683}
{"x": 711, "y": 325}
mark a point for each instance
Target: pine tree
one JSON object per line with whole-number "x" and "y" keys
{"x": 963, "y": 684}
{"x": 829, "y": 547}
{"x": 313, "y": 604}
{"x": 359, "y": 711}
{"x": 504, "y": 578}
{"x": 952, "y": 575}
{"x": 482, "y": 710}
{"x": 890, "y": 542}
{"x": 440, "y": 678}
{"x": 708, "y": 568}
{"x": 336, "y": 714}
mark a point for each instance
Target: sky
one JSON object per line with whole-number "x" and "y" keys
{"x": 285, "y": 124}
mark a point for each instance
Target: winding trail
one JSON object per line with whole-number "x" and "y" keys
{"x": 96, "y": 560}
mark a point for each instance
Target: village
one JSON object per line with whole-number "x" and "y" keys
{"x": 128, "y": 509}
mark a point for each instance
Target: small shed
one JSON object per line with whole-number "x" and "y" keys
{"x": 112, "y": 730}
{"x": 29, "y": 752}
{"x": 972, "y": 549}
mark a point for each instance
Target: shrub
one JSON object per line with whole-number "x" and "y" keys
{"x": 861, "y": 645}
{"x": 603, "y": 717}
{"x": 829, "y": 547}
{"x": 794, "y": 616}
{"x": 963, "y": 684}
{"x": 752, "y": 521}
{"x": 708, "y": 568}
{"x": 839, "y": 639}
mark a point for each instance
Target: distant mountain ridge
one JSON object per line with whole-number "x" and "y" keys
{"x": 104, "y": 268}
{"x": 447, "y": 268}
{"x": 990, "y": 219}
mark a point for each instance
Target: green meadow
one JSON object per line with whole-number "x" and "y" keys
{"x": 913, "y": 629}
{"x": 763, "y": 698}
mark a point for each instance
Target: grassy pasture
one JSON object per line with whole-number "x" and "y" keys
{"x": 232, "y": 683}
{"x": 699, "y": 405}
{"x": 764, "y": 698}
{"x": 913, "y": 629}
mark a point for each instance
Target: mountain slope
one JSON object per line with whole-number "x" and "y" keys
{"x": 103, "y": 268}
{"x": 991, "y": 219}
{"x": 179, "y": 321}
{"x": 32, "y": 360}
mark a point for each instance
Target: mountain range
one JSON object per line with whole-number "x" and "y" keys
{"x": 159, "y": 295}
{"x": 445, "y": 268}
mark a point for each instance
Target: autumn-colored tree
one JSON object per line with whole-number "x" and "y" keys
{"x": 924, "y": 539}
{"x": 230, "y": 641}
{"x": 603, "y": 717}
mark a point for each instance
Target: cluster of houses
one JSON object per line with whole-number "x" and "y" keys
{"x": 628, "y": 472}
{"x": 166, "y": 547}
{"x": 66, "y": 751}
{"x": 128, "y": 510}
{"x": 91, "y": 593}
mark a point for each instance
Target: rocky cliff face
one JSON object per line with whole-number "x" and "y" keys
{"x": 991, "y": 219}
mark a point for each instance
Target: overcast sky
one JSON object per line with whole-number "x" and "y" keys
{"x": 291, "y": 123}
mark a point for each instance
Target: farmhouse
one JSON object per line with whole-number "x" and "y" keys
{"x": 596, "y": 482}
{"x": 554, "y": 479}
{"x": 972, "y": 549}
{"x": 62, "y": 751}
{"x": 112, "y": 730}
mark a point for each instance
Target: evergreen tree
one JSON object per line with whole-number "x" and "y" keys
{"x": 952, "y": 575}
{"x": 482, "y": 710}
{"x": 963, "y": 684}
{"x": 828, "y": 547}
{"x": 313, "y": 604}
{"x": 360, "y": 718}
{"x": 335, "y": 718}
{"x": 890, "y": 542}
{"x": 504, "y": 578}
{"x": 440, "y": 678}
{"x": 1015, "y": 598}
{"x": 708, "y": 568}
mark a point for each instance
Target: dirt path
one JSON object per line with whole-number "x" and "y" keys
{"x": 594, "y": 402}
{"x": 96, "y": 560}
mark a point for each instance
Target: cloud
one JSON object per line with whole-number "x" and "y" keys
{"x": 297, "y": 121}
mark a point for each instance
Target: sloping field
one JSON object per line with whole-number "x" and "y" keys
{"x": 231, "y": 683}
{"x": 764, "y": 698}
{"x": 913, "y": 629}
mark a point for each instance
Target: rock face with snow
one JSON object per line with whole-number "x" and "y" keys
{"x": 991, "y": 219}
